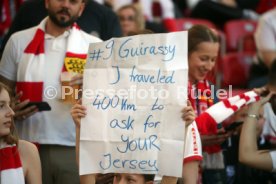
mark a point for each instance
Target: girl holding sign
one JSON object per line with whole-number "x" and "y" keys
{"x": 19, "y": 160}
{"x": 79, "y": 111}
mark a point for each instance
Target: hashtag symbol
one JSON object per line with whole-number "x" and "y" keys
{"x": 95, "y": 55}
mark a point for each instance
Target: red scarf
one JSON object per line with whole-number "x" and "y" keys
{"x": 10, "y": 165}
{"x": 200, "y": 97}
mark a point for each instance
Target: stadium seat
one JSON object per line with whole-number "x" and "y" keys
{"x": 181, "y": 24}
{"x": 236, "y": 67}
{"x": 237, "y": 30}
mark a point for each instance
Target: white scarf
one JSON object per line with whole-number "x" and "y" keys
{"x": 222, "y": 110}
{"x": 31, "y": 66}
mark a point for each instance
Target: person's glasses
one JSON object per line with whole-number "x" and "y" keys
{"x": 127, "y": 18}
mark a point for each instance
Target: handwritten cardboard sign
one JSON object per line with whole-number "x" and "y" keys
{"x": 134, "y": 90}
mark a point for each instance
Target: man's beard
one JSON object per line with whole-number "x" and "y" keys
{"x": 61, "y": 22}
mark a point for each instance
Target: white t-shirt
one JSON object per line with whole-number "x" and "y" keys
{"x": 265, "y": 35}
{"x": 269, "y": 127}
{"x": 46, "y": 127}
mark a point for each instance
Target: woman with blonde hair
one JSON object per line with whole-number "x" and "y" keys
{"x": 19, "y": 159}
{"x": 131, "y": 18}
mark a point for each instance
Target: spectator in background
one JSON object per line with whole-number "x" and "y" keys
{"x": 219, "y": 12}
{"x": 96, "y": 19}
{"x": 265, "y": 38}
{"x": 153, "y": 10}
{"x": 248, "y": 149}
{"x": 131, "y": 19}
{"x": 19, "y": 159}
{"x": 203, "y": 47}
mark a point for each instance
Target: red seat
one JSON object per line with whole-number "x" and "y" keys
{"x": 265, "y": 5}
{"x": 5, "y": 16}
{"x": 236, "y": 67}
{"x": 247, "y": 44}
{"x": 182, "y": 24}
{"x": 236, "y": 31}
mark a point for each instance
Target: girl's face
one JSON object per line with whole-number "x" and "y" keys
{"x": 127, "y": 21}
{"x": 202, "y": 60}
{"x": 6, "y": 113}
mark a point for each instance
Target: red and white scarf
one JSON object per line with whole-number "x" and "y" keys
{"x": 219, "y": 112}
{"x": 209, "y": 116}
{"x": 11, "y": 170}
{"x": 31, "y": 67}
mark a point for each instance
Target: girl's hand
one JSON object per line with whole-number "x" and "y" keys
{"x": 188, "y": 114}
{"x": 255, "y": 107}
{"x": 21, "y": 111}
{"x": 78, "y": 111}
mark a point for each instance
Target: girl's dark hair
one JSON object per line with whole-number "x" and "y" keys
{"x": 149, "y": 177}
{"x": 12, "y": 138}
{"x": 198, "y": 34}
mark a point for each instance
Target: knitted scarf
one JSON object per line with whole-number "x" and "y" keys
{"x": 216, "y": 114}
{"x": 31, "y": 66}
{"x": 209, "y": 116}
{"x": 11, "y": 170}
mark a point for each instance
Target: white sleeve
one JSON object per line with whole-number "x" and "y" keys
{"x": 8, "y": 64}
{"x": 265, "y": 36}
{"x": 167, "y": 9}
{"x": 273, "y": 158}
{"x": 192, "y": 146}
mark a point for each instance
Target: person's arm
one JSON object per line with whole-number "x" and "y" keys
{"x": 30, "y": 161}
{"x": 190, "y": 167}
{"x": 267, "y": 56}
{"x": 188, "y": 114}
{"x": 192, "y": 154}
{"x": 78, "y": 111}
{"x": 248, "y": 150}
{"x": 190, "y": 172}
